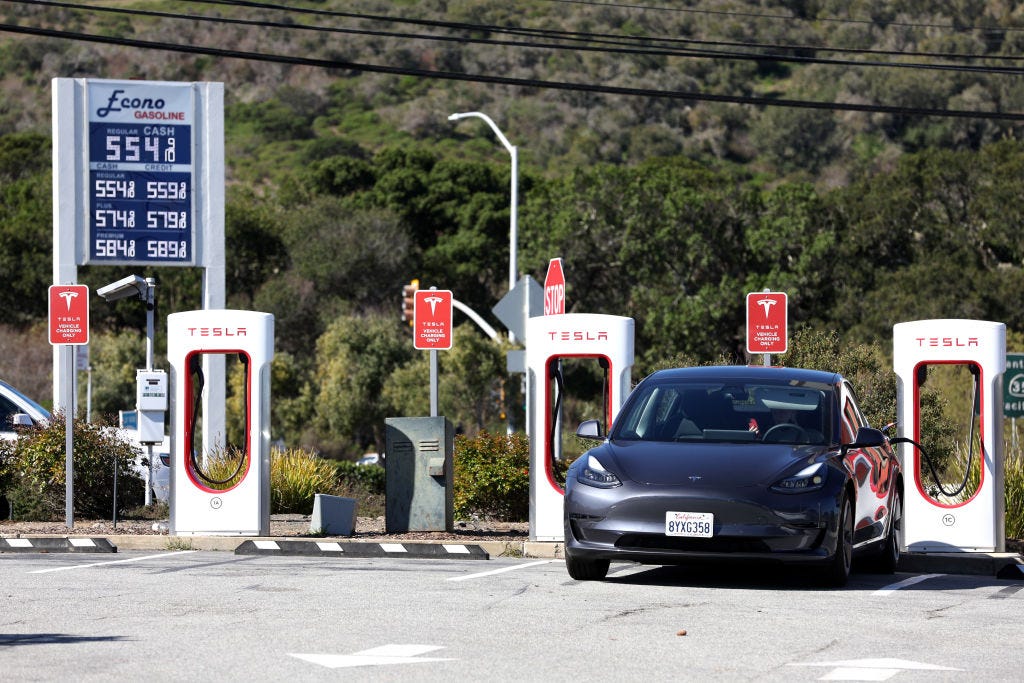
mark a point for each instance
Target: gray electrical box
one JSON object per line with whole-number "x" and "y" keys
{"x": 419, "y": 471}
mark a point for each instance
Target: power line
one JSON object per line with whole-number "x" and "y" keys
{"x": 652, "y": 52}
{"x": 647, "y": 40}
{"x": 785, "y": 17}
{"x": 503, "y": 80}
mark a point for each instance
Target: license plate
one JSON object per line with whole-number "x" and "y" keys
{"x": 691, "y": 524}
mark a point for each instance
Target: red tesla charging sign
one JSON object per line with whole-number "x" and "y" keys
{"x": 69, "y": 314}
{"x": 767, "y": 320}
{"x": 432, "y": 319}
{"x": 554, "y": 288}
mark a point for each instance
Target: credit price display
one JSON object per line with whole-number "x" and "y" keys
{"x": 141, "y": 184}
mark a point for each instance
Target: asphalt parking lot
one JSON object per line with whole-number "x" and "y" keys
{"x": 177, "y": 615}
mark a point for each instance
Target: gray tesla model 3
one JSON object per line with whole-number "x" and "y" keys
{"x": 735, "y": 463}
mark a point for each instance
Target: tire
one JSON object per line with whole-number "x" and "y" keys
{"x": 586, "y": 570}
{"x": 838, "y": 571}
{"x": 888, "y": 557}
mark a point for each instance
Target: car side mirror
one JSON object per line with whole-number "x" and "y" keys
{"x": 867, "y": 437}
{"x": 21, "y": 420}
{"x": 589, "y": 429}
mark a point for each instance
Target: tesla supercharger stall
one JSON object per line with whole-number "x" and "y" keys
{"x": 205, "y": 500}
{"x": 937, "y": 519}
{"x": 606, "y": 339}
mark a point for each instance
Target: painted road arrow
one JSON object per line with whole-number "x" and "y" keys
{"x": 871, "y": 669}
{"x": 378, "y": 656}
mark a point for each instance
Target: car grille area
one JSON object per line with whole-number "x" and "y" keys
{"x": 720, "y": 544}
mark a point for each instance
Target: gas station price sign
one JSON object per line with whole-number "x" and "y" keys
{"x": 141, "y": 177}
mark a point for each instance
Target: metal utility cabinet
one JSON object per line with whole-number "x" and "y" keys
{"x": 419, "y": 472}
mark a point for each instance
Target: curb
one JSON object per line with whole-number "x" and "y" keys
{"x": 456, "y": 551}
{"x": 517, "y": 548}
{"x": 56, "y": 544}
{"x": 998, "y": 565}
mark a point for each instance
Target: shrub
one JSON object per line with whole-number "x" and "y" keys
{"x": 492, "y": 476}
{"x": 1014, "y": 483}
{"x": 32, "y": 470}
{"x": 365, "y": 483}
{"x": 367, "y": 477}
{"x": 296, "y": 476}
{"x": 221, "y": 468}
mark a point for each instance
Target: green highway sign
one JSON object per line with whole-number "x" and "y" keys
{"x": 1013, "y": 386}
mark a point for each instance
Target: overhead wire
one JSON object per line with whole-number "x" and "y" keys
{"x": 785, "y": 17}
{"x": 655, "y": 47}
{"x": 597, "y": 37}
{"x": 480, "y": 78}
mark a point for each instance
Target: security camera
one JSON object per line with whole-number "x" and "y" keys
{"x": 126, "y": 287}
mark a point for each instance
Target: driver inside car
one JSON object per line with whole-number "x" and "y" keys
{"x": 788, "y": 416}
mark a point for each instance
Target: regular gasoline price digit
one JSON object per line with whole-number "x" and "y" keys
{"x": 114, "y": 189}
{"x": 141, "y": 148}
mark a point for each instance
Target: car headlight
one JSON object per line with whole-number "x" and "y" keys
{"x": 594, "y": 474}
{"x": 810, "y": 478}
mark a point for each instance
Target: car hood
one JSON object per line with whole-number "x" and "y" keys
{"x": 709, "y": 464}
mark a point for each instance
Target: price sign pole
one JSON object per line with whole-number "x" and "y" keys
{"x": 69, "y": 326}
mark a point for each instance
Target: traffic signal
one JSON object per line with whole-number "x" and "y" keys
{"x": 409, "y": 300}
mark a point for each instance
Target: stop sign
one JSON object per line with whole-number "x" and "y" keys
{"x": 554, "y": 288}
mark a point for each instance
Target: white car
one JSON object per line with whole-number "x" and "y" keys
{"x": 18, "y": 410}
{"x": 371, "y": 459}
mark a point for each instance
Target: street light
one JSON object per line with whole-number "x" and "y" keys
{"x": 513, "y": 271}
{"x": 134, "y": 286}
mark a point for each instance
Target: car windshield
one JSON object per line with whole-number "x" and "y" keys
{"x": 22, "y": 399}
{"x": 762, "y": 411}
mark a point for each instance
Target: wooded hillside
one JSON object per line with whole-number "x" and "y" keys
{"x": 654, "y": 159}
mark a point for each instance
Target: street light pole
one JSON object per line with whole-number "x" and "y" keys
{"x": 513, "y": 269}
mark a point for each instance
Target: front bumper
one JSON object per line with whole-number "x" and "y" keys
{"x": 628, "y": 523}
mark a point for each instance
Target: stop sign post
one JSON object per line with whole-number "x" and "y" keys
{"x": 767, "y": 323}
{"x": 554, "y": 288}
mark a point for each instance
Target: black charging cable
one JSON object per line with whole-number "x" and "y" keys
{"x": 196, "y": 370}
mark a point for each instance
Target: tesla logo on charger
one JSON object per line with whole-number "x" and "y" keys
{"x": 578, "y": 335}
{"x": 947, "y": 342}
{"x": 767, "y": 322}
{"x": 216, "y": 331}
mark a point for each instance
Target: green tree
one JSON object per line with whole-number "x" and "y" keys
{"x": 352, "y": 255}
{"x": 252, "y": 238}
{"x": 471, "y": 380}
{"x": 355, "y": 356}
{"x": 115, "y": 356}
{"x": 26, "y": 229}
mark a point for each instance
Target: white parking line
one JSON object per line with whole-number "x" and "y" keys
{"x": 893, "y": 587}
{"x": 100, "y": 564}
{"x": 499, "y": 571}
